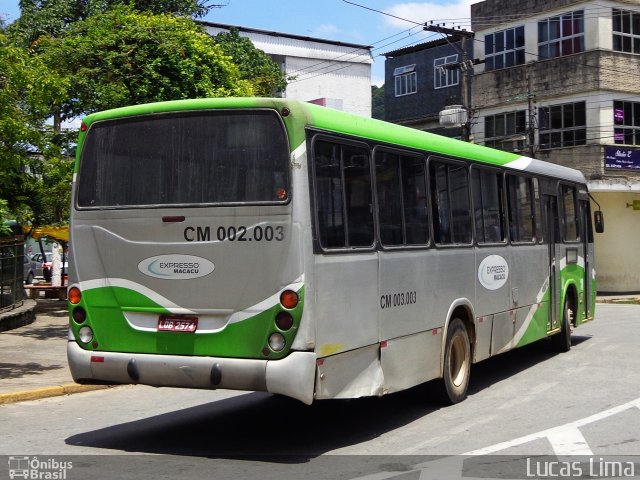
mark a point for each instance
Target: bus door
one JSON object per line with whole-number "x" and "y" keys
{"x": 551, "y": 235}
{"x": 586, "y": 234}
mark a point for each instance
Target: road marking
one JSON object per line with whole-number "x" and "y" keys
{"x": 561, "y": 432}
{"x": 569, "y": 441}
{"x": 565, "y": 439}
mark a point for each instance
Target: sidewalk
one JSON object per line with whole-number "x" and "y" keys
{"x": 33, "y": 358}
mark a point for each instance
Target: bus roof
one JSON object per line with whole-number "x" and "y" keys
{"x": 331, "y": 120}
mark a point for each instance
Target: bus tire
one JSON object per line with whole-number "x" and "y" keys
{"x": 457, "y": 363}
{"x": 562, "y": 341}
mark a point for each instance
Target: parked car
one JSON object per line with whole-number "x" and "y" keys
{"x": 29, "y": 269}
{"x": 43, "y": 268}
{"x": 37, "y": 257}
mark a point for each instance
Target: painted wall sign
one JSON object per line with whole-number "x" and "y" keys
{"x": 493, "y": 272}
{"x": 621, "y": 158}
{"x": 176, "y": 267}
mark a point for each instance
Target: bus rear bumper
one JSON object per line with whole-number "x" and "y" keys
{"x": 293, "y": 376}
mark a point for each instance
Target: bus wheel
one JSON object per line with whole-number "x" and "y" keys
{"x": 457, "y": 362}
{"x": 562, "y": 341}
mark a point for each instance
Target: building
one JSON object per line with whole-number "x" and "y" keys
{"x": 560, "y": 81}
{"x": 334, "y": 74}
{"x": 423, "y": 80}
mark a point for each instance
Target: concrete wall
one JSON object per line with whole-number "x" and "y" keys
{"x": 321, "y": 69}
{"x": 349, "y": 83}
{"x": 616, "y": 250}
{"x": 592, "y": 71}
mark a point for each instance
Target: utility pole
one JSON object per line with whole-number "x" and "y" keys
{"x": 466, "y": 66}
{"x": 532, "y": 119}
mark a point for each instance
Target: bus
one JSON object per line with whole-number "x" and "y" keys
{"x": 274, "y": 245}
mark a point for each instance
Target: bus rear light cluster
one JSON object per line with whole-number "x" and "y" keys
{"x": 284, "y": 322}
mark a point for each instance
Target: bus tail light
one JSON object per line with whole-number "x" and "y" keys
{"x": 289, "y": 299}
{"x": 284, "y": 321}
{"x": 276, "y": 342}
{"x": 79, "y": 315}
{"x": 74, "y": 295}
{"x": 86, "y": 334}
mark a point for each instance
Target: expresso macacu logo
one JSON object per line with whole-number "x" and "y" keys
{"x": 493, "y": 272}
{"x": 176, "y": 267}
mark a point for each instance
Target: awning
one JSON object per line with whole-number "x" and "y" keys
{"x": 58, "y": 233}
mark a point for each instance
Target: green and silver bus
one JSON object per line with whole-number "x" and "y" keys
{"x": 273, "y": 245}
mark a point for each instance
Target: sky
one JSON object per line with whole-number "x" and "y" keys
{"x": 359, "y": 22}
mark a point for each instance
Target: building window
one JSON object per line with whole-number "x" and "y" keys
{"x": 406, "y": 80}
{"x": 626, "y": 31}
{"x": 444, "y": 76}
{"x": 626, "y": 120}
{"x": 561, "y": 35}
{"x": 504, "y": 49}
{"x": 563, "y": 125}
{"x": 506, "y": 131}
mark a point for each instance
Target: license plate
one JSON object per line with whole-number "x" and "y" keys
{"x": 168, "y": 323}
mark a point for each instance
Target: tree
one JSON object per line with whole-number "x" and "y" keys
{"x": 123, "y": 57}
{"x": 377, "y": 102}
{"x": 52, "y": 17}
{"x": 255, "y": 66}
{"x": 28, "y": 91}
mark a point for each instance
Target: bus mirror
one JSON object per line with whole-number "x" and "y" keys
{"x": 598, "y": 220}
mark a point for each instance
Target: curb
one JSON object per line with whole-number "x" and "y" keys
{"x": 46, "y": 392}
{"x": 19, "y": 316}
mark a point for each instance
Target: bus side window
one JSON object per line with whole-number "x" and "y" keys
{"x": 487, "y": 205}
{"x": 402, "y": 199}
{"x": 451, "y": 207}
{"x": 570, "y": 220}
{"x": 343, "y": 195}
{"x": 329, "y": 202}
{"x": 520, "y": 208}
{"x": 358, "y": 196}
{"x": 389, "y": 193}
{"x": 414, "y": 188}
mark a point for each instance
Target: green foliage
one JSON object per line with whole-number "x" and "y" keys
{"x": 29, "y": 91}
{"x": 377, "y": 102}
{"x": 123, "y": 57}
{"x": 5, "y": 216}
{"x": 52, "y": 17}
{"x": 255, "y": 65}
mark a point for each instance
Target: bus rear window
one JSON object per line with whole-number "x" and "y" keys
{"x": 195, "y": 158}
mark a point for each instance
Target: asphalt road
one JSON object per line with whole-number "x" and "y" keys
{"x": 530, "y": 403}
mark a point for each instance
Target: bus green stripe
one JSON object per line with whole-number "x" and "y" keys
{"x": 328, "y": 119}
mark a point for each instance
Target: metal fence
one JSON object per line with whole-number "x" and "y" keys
{"x": 11, "y": 272}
